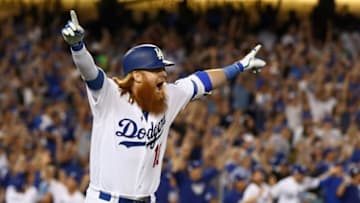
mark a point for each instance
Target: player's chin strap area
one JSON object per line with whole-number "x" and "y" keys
{"x": 91, "y": 192}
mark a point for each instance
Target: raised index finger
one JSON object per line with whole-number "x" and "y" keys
{"x": 74, "y": 18}
{"x": 255, "y": 50}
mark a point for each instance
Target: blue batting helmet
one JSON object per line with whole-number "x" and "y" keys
{"x": 144, "y": 57}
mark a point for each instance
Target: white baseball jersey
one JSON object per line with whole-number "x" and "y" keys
{"x": 290, "y": 191}
{"x": 13, "y": 196}
{"x": 127, "y": 145}
{"x": 253, "y": 190}
{"x": 58, "y": 190}
{"x": 76, "y": 197}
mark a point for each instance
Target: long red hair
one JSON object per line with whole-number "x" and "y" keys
{"x": 125, "y": 85}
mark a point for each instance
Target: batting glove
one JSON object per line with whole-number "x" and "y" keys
{"x": 73, "y": 33}
{"x": 249, "y": 62}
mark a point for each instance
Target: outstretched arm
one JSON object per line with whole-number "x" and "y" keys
{"x": 215, "y": 78}
{"x": 73, "y": 34}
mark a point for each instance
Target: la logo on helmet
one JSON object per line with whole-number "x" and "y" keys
{"x": 159, "y": 54}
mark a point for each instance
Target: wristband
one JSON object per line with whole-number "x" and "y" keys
{"x": 78, "y": 46}
{"x": 233, "y": 70}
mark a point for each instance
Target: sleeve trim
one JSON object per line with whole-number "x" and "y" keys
{"x": 195, "y": 89}
{"x": 205, "y": 79}
{"x": 97, "y": 83}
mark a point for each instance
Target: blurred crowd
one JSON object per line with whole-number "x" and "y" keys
{"x": 288, "y": 134}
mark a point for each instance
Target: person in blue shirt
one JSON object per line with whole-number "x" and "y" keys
{"x": 355, "y": 157}
{"x": 348, "y": 191}
{"x": 330, "y": 156}
{"x": 194, "y": 183}
{"x": 235, "y": 194}
{"x": 167, "y": 191}
{"x": 330, "y": 185}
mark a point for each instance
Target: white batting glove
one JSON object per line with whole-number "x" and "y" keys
{"x": 73, "y": 33}
{"x": 249, "y": 62}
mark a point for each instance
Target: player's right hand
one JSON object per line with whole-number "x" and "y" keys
{"x": 73, "y": 33}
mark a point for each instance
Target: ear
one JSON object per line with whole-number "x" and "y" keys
{"x": 138, "y": 77}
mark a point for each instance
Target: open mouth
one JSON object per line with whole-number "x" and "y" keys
{"x": 159, "y": 85}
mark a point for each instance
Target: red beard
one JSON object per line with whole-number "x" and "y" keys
{"x": 150, "y": 98}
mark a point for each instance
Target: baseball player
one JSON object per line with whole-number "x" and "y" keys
{"x": 293, "y": 189}
{"x": 132, "y": 115}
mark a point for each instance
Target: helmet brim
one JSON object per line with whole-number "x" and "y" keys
{"x": 168, "y": 63}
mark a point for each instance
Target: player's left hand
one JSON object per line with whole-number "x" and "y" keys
{"x": 250, "y": 62}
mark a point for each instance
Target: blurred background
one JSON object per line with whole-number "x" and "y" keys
{"x": 299, "y": 117}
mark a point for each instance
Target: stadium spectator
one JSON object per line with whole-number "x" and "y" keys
{"x": 330, "y": 185}
{"x": 348, "y": 191}
{"x": 235, "y": 193}
{"x": 257, "y": 190}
